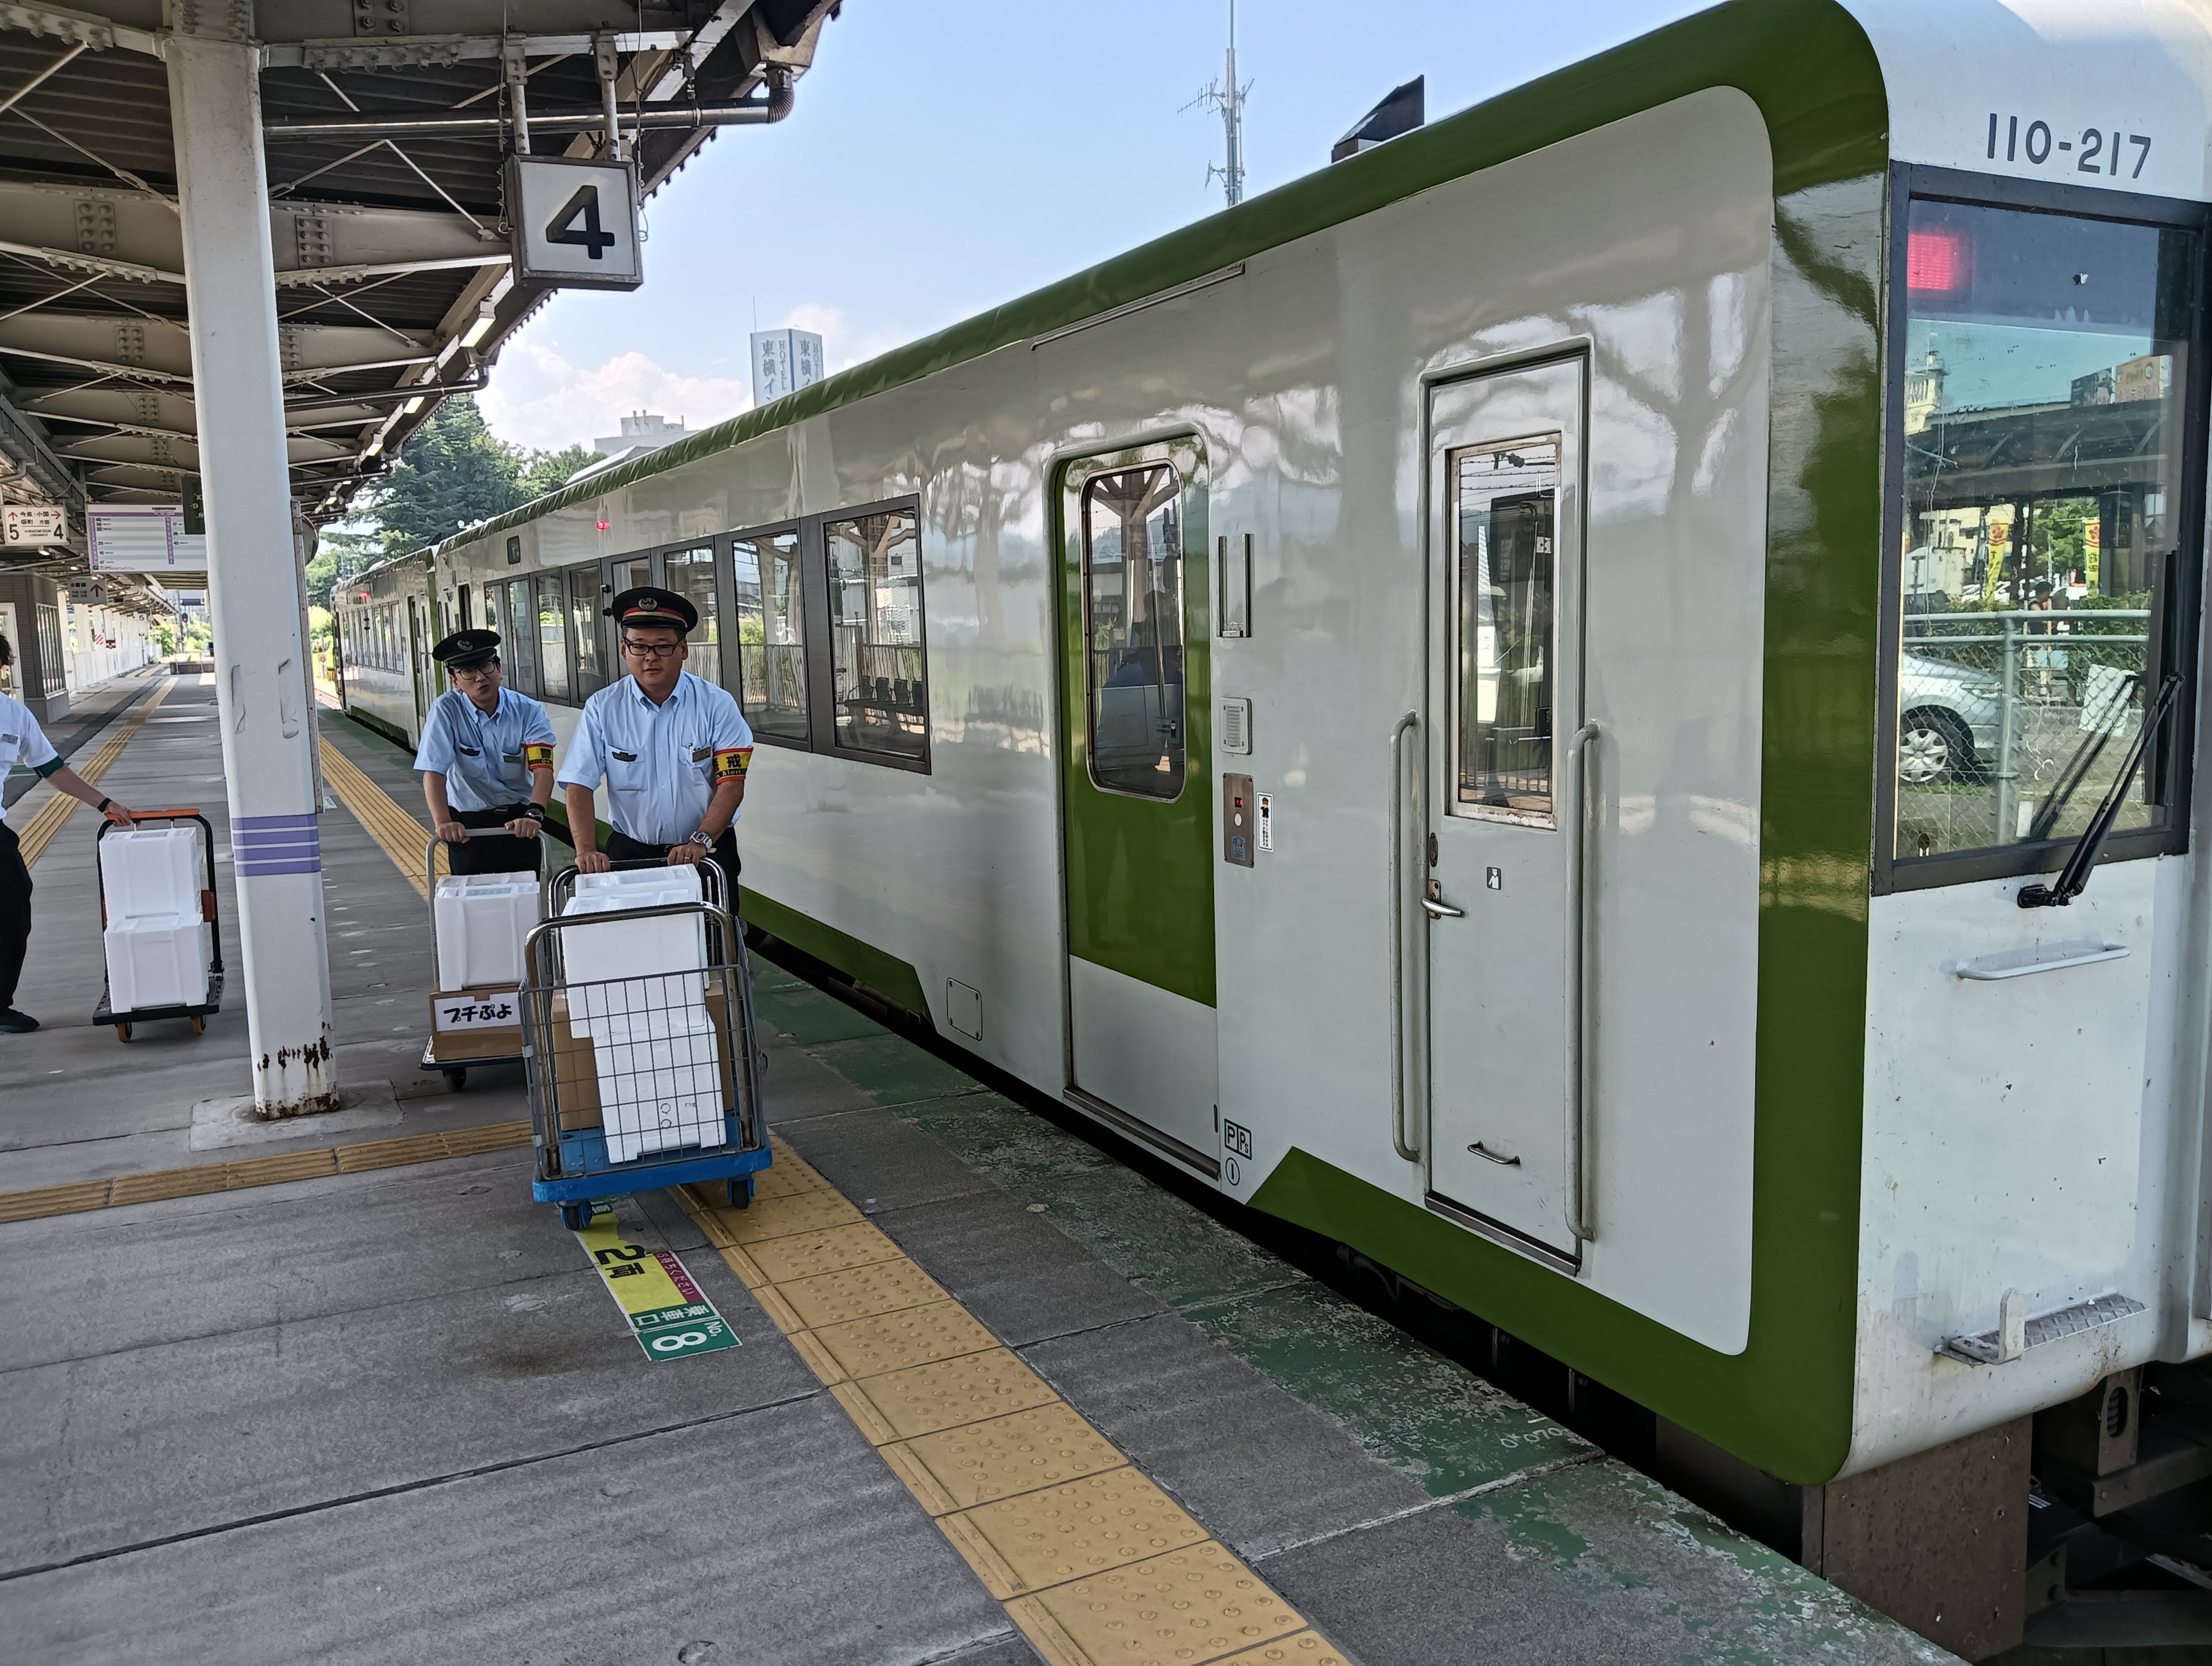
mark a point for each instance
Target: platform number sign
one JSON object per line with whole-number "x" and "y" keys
{"x": 574, "y": 222}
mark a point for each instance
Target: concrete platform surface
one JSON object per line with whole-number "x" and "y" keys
{"x": 394, "y": 1416}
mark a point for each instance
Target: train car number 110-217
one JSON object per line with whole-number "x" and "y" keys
{"x": 2095, "y": 152}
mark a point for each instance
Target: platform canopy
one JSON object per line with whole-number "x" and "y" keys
{"x": 386, "y": 126}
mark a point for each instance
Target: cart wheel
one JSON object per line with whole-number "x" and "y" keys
{"x": 456, "y": 1080}
{"x": 199, "y": 1024}
{"x": 741, "y": 1192}
{"x": 573, "y": 1215}
{"x": 123, "y": 1030}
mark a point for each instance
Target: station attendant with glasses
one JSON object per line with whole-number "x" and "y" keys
{"x": 486, "y": 761}
{"x": 672, "y": 748}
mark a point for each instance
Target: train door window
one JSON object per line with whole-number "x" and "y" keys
{"x": 2049, "y": 453}
{"x": 552, "y": 637}
{"x": 461, "y": 598}
{"x": 877, "y": 650}
{"x": 691, "y": 575}
{"x": 1133, "y": 601}
{"x": 629, "y": 573}
{"x": 583, "y": 628}
{"x": 518, "y": 648}
{"x": 1503, "y": 518}
{"x": 771, "y": 631}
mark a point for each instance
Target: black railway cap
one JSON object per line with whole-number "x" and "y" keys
{"x": 655, "y": 609}
{"x": 465, "y": 650}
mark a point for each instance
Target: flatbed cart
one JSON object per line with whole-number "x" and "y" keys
{"x": 689, "y": 1055}
{"x": 197, "y": 1011}
{"x": 456, "y": 1070}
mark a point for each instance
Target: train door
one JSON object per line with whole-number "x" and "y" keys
{"x": 1137, "y": 800}
{"x": 1504, "y": 829}
{"x": 423, "y": 669}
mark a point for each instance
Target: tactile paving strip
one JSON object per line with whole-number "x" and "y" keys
{"x": 1095, "y": 1564}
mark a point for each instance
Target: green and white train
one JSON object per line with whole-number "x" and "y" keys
{"x": 1495, "y": 702}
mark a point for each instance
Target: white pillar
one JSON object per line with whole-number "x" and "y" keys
{"x": 253, "y": 598}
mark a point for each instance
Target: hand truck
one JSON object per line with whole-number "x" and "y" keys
{"x": 456, "y": 1070}
{"x": 209, "y": 912}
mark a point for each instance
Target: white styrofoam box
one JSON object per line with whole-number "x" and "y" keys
{"x": 149, "y": 871}
{"x": 631, "y": 979}
{"x": 160, "y": 960}
{"x": 482, "y": 920}
{"x": 659, "y": 1095}
{"x": 684, "y": 876}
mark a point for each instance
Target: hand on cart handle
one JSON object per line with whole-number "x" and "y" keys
{"x": 593, "y": 861}
{"x": 453, "y": 833}
{"x": 523, "y": 827}
{"x": 116, "y": 813}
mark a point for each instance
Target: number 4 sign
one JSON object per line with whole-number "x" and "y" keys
{"x": 574, "y": 222}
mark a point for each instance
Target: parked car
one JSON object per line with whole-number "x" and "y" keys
{"x": 1947, "y": 721}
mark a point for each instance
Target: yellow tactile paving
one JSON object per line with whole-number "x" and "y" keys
{"x": 1094, "y": 1562}
{"x": 982, "y": 1462}
{"x": 1185, "y": 1607}
{"x": 39, "y": 831}
{"x": 259, "y": 1171}
{"x": 913, "y": 1337}
{"x": 1069, "y": 1532}
{"x": 401, "y": 836}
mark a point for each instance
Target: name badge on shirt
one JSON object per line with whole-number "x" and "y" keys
{"x": 468, "y": 751}
{"x": 9, "y": 739}
{"x": 700, "y": 754}
{"x": 625, "y": 758}
{"x": 511, "y": 757}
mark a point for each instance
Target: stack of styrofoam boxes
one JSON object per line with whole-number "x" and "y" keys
{"x": 157, "y": 943}
{"x": 482, "y": 920}
{"x": 637, "y": 990}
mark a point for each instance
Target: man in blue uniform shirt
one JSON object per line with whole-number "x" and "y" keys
{"x": 486, "y": 761}
{"x": 672, "y": 748}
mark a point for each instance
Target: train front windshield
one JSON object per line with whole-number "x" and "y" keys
{"x": 2046, "y": 423}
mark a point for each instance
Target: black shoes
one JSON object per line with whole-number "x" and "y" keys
{"x": 13, "y": 1023}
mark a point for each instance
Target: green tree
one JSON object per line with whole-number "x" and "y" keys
{"x": 544, "y": 471}
{"x": 452, "y": 474}
{"x": 339, "y": 555}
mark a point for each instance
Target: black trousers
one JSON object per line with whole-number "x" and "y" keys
{"x": 621, "y": 848}
{"x": 503, "y": 853}
{"x": 14, "y": 913}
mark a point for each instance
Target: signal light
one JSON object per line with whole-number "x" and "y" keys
{"x": 604, "y": 525}
{"x": 1939, "y": 262}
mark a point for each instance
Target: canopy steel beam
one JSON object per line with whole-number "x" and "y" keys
{"x": 730, "y": 112}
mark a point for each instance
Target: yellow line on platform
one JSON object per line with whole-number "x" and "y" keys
{"x": 259, "y": 1171}
{"x": 400, "y": 835}
{"x": 38, "y": 832}
{"x": 1090, "y": 1560}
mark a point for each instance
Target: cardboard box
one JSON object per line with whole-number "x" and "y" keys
{"x": 576, "y": 1065}
{"x": 476, "y": 1023}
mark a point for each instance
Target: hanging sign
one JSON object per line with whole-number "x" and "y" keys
{"x": 89, "y": 590}
{"x": 141, "y": 537}
{"x": 575, "y": 223}
{"x": 33, "y": 523}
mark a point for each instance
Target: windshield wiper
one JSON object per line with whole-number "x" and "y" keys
{"x": 2074, "y": 876}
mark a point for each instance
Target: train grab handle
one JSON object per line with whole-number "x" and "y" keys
{"x": 1397, "y": 822}
{"x": 1576, "y": 819}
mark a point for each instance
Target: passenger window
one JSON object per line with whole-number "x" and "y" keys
{"x": 631, "y": 575}
{"x": 1505, "y": 523}
{"x": 691, "y": 575}
{"x": 2046, "y": 358}
{"x": 519, "y": 646}
{"x": 1133, "y": 593}
{"x": 875, "y": 627}
{"x": 583, "y": 628}
{"x": 771, "y": 635}
{"x": 552, "y": 637}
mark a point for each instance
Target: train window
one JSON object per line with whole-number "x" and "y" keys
{"x": 877, "y": 660}
{"x": 771, "y": 635}
{"x": 631, "y": 573}
{"x": 519, "y": 644}
{"x": 2046, "y": 360}
{"x": 552, "y": 637}
{"x": 1504, "y": 521}
{"x": 1133, "y": 581}
{"x": 583, "y": 628}
{"x": 691, "y": 575}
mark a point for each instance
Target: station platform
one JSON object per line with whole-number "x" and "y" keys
{"x": 342, "y": 1393}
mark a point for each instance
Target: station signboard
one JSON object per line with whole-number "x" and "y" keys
{"x": 575, "y": 223}
{"x": 141, "y": 537}
{"x": 24, "y": 524}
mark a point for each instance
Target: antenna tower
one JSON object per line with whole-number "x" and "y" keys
{"x": 1226, "y": 96}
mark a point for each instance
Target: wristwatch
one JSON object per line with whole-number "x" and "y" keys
{"x": 535, "y": 812}
{"x": 700, "y": 836}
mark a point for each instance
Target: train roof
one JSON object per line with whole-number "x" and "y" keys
{"x": 1845, "y": 86}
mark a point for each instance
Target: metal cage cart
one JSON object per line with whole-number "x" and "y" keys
{"x": 650, "y": 1077}
{"x": 456, "y": 1069}
{"x": 210, "y": 914}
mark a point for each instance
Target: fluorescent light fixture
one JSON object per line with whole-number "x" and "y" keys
{"x": 476, "y": 331}
{"x": 411, "y": 406}
{"x": 375, "y": 447}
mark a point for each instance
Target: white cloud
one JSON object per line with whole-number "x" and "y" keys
{"x": 842, "y": 346}
{"x": 540, "y": 400}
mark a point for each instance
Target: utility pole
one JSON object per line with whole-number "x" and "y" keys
{"x": 1226, "y": 96}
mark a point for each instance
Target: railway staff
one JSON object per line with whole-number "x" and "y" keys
{"x": 486, "y": 760}
{"x": 21, "y": 741}
{"x": 672, "y": 748}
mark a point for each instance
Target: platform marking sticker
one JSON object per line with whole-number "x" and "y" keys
{"x": 669, "y": 1314}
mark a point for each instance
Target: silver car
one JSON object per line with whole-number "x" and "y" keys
{"x": 1947, "y": 720}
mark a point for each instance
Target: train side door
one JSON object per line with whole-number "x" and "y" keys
{"x": 1501, "y": 854}
{"x": 1137, "y": 803}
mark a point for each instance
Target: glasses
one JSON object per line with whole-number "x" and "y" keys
{"x": 642, "y": 651}
{"x": 476, "y": 673}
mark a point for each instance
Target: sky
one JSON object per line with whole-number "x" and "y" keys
{"x": 945, "y": 156}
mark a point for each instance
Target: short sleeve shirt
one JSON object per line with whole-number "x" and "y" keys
{"x": 485, "y": 757}
{"x": 21, "y": 740}
{"x": 661, "y": 764}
